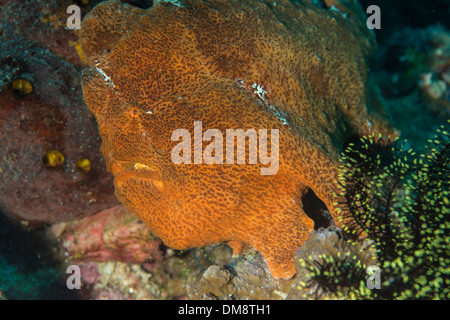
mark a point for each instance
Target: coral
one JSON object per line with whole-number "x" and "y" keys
{"x": 155, "y": 279}
{"x": 42, "y": 135}
{"x": 401, "y": 203}
{"x": 113, "y": 234}
{"x": 120, "y": 258}
{"x": 435, "y": 81}
{"x": 418, "y": 59}
{"x": 229, "y": 64}
{"x": 118, "y": 281}
{"x": 328, "y": 265}
{"x": 246, "y": 278}
{"x": 44, "y": 23}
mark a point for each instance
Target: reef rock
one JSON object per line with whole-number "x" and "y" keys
{"x": 248, "y": 276}
{"x": 113, "y": 234}
{"x": 42, "y": 111}
{"x": 299, "y": 69}
{"x": 51, "y": 117}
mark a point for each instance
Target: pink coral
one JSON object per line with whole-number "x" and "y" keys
{"x": 113, "y": 234}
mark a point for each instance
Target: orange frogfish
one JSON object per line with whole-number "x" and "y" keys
{"x": 218, "y": 116}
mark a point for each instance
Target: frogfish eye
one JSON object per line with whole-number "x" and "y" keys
{"x": 134, "y": 113}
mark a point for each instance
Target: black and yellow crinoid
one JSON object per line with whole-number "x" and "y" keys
{"x": 400, "y": 202}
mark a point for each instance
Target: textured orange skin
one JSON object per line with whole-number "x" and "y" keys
{"x": 198, "y": 62}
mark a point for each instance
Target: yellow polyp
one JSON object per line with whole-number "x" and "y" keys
{"x": 24, "y": 223}
{"x": 84, "y": 164}
{"x": 53, "y": 158}
{"x": 22, "y": 86}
